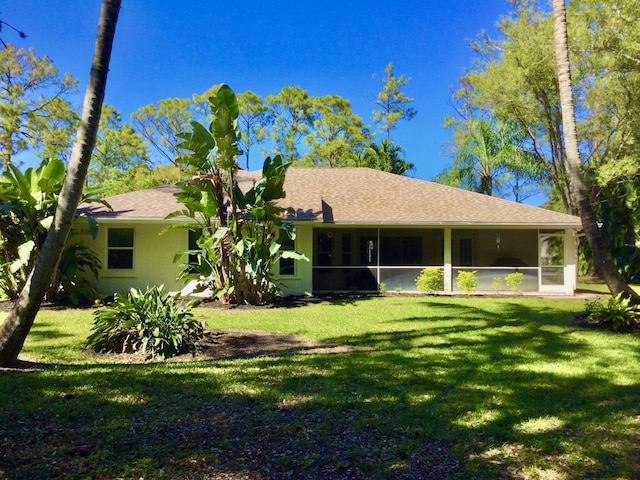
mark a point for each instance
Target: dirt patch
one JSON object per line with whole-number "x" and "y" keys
{"x": 229, "y": 344}
{"x": 214, "y": 345}
{"x": 583, "y": 321}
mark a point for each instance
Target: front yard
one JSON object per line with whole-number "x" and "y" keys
{"x": 433, "y": 387}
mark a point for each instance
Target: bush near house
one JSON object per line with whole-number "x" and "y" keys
{"x": 153, "y": 323}
{"x": 615, "y": 313}
{"x": 28, "y": 201}
{"x": 467, "y": 281}
{"x": 514, "y": 280}
{"x": 430, "y": 280}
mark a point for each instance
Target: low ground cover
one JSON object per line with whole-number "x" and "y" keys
{"x": 431, "y": 387}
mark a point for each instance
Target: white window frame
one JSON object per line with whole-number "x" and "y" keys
{"x": 121, "y": 248}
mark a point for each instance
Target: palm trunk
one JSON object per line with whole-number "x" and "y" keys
{"x": 16, "y": 326}
{"x": 601, "y": 254}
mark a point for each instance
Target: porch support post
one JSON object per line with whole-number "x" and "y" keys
{"x": 571, "y": 262}
{"x": 378, "y": 259}
{"x": 448, "y": 274}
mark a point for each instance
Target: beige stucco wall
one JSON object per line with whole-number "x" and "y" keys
{"x": 301, "y": 282}
{"x": 153, "y": 254}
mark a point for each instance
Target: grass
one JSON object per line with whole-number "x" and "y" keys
{"x": 447, "y": 388}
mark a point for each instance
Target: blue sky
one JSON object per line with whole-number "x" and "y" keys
{"x": 169, "y": 48}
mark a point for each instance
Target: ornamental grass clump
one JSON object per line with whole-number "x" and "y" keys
{"x": 615, "y": 313}
{"x": 154, "y": 322}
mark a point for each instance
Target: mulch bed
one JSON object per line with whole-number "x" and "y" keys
{"x": 229, "y": 344}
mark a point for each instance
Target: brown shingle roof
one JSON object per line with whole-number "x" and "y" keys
{"x": 360, "y": 196}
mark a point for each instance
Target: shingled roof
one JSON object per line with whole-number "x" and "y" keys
{"x": 358, "y": 196}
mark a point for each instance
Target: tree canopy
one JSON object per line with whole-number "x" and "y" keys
{"x": 392, "y": 104}
{"x": 514, "y": 79}
{"x": 34, "y": 112}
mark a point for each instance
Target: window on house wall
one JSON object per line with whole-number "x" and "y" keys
{"x": 194, "y": 236}
{"x": 120, "y": 248}
{"x": 287, "y": 265}
{"x": 401, "y": 251}
{"x": 466, "y": 252}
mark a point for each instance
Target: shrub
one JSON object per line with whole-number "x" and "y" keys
{"x": 71, "y": 283}
{"x": 615, "y": 313}
{"x": 153, "y": 322}
{"x": 514, "y": 280}
{"x": 430, "y": 280}
{"x": 467, "y": 281}
{"x": 496, "y": 284}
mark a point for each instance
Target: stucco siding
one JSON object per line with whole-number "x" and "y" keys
{"x": 301, "y": 282}
{"x": 153, "y": 254}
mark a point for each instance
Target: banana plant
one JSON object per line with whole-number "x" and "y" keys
{"x": 28, "y": 202}
{"x": 240, "y": 240}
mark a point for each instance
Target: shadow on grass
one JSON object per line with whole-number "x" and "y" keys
{"x": 47, "y": 331}
{"x": 474, "y": 394}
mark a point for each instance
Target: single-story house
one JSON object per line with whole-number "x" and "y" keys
{"x": 360, "y": 228}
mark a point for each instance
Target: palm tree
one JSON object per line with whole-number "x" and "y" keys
{"x": 17, "y": 324}
{"x": 385, "y": 157}
{"x": 601, "y": 254}
{"x": 490, "y": 153}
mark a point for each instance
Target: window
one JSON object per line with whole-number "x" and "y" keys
{"x": 401, "y": 251}
{"x": 194, "y": 236}
{"x": 120, "y": 248}
{"x": 287, "y": 265}
{"x": 551, "y": 260}
{"x": 466, "y": 252}
{"x": 324, "y": 248}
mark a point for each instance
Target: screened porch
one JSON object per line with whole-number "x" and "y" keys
{"x": 351, "y": 259}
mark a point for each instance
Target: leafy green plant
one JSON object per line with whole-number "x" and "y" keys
{"x": 514, "y": 280}
{"x": 615, "y": 312}
{"x": 497, "y": 283}
{"x": 430, "y": 280}
{"x": 240, "y": 243}
{"x": 28, "y": 201}
{"x": 467, "y": 281}
{"x": 382, "y": 287}
{"x": 153, "y": 322}
{"x": 72, "y": 283}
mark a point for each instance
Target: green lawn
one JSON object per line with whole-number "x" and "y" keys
{"x": 447, "y": 388}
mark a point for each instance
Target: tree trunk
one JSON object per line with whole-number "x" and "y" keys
{"x": 601, "y": 254}
{"x": 16, "y": 326}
